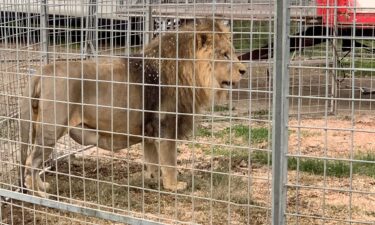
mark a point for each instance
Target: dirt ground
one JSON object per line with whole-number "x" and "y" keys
{"x": 223, "y": 189}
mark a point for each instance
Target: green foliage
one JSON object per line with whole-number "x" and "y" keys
{"x": 250, "y": 35}
{"x": 203, "y": 132}
{"x": 257, "y": 134}
{"x": 364, "y": 164}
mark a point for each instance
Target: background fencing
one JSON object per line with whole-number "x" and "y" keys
{"x": 293, "y": 144}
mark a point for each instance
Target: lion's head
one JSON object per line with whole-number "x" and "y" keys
{"x": 200, "y": 55}
{"x": 218, "y": 65}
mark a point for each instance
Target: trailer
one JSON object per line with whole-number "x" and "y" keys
{"x": 346, "y": 13}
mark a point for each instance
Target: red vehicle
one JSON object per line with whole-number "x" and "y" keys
{"x": 343, "y": 18}
{"x": 348, "y": 12}
{"x": 347, "y": 16}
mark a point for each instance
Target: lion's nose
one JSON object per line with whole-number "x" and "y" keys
{"x": 242, "y": 72}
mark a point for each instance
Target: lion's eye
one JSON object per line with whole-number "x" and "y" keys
{"x": 226, "y": 56}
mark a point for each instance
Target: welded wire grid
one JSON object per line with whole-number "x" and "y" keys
{"x": 225, "y": 162}
{"x": 331, "y": 155}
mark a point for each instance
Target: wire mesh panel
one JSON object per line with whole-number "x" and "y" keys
{"x": 129, "y": 96}
{"x": 186, "y": 112}
{"x": 330, "y": 157}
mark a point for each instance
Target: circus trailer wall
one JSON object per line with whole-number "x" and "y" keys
{"x": 347, "y": 12}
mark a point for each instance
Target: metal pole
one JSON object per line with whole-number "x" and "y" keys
{"x": 91, "y": 24}
{"x": 148, "y": 23}
{"x": 280, "y": 112}
{"x": 44, "y": 31}
{"x": 128, "y": 32}
{"x": 334, "y": 63}
{"x": 82, "y": 210}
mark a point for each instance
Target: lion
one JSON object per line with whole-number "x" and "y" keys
{"x": 149, "y": 98}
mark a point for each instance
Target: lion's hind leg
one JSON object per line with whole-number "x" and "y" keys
{"x": 44, "y": 142}
{"x": 28, "y": 116}
{"x": 38, "y": 155}
{"x": 25, "y": 127}
{"x": 47, "y": 131}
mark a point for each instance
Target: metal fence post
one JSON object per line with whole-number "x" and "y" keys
{"x": 91, "y": 24}
{"x": 280, "y": 112}
{"x": 43, "y": 30}
{"x": 335, "y": 57}
{"x": 148, "y": 24}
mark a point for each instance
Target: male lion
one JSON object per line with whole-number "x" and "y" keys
{"x": 116, "y": 105}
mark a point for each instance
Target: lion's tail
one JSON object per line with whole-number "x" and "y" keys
{"x": 28, "y": 115}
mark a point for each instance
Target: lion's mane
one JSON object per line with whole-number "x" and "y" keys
{"x": 171, "y": 70}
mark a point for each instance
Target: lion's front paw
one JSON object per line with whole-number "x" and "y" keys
{"x": 28, "y": 182}
{"x": 43, "y": 186}
{"x": 42, "y": 194}
{"x": 37, "y": 185}
{"x": 175, "y": 186}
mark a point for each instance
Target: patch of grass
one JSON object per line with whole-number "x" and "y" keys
{"x": 225, "y": 186}
{"x": 359, "y": 63}
{"x": 203, "y": 132}
{"x": 75, "y": 45}
{"x": 261, "y": 157}
{"x": 260, "y": 113}
{"x": 223, "y": 156}
{"x": 236, "y": 155}
{"x": 365, "y": 64}
{"x": 249, "y": 35}
{"x": 221, "y": 108}
{"x": 365, "y": 168}
{"x": 222, "y": 151}
{"x": 242, "y": 131}
{"x": 337, "y": 209}
{"x": 334, "y": 168}
{"x": 244, "y": 31}
{"x": 218, "y": 151}
{"x": 257, "y": 135}
{"x": 316, "y": 166}
{"x": 305, "y": 133}
{"x": 370, "y": 213}
{"x": 193, "y": 145}
{"x": 319, "y": 50}
{"x": 242, "y": 134}
{"x": 135, "y": 49}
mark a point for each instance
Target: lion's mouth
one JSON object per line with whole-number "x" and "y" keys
{"x": 227, "y": 84}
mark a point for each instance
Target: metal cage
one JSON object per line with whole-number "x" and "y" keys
{"x": 292, "y": 143}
